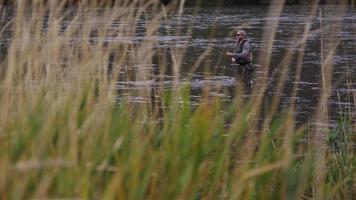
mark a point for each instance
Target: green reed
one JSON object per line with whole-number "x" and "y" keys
{"x": 64, "y": 135}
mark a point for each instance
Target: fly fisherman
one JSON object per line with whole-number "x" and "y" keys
{"x": 242, "y": 55}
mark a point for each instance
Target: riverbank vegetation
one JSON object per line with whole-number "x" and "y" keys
{"x": 67, "y": 131}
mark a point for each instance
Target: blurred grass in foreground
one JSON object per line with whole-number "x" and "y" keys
{"x": 63, "y": 135}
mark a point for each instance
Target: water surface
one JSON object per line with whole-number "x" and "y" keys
{"x": 196, "y": 31}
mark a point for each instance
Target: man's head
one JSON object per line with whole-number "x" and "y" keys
{"x": 240, "y": 34}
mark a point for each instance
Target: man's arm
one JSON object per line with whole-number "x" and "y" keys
{"x": 245, "y": 52}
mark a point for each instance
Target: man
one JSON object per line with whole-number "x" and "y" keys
{"x": 242, "y": 54}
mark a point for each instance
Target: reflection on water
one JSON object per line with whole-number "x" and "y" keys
{"x": 211, "y": 28}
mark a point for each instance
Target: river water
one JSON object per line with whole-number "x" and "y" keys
{"x": 213, "y": 28}
{"x": 193, "y": 32}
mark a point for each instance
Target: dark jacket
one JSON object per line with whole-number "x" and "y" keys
{"x": 243, "y": 52}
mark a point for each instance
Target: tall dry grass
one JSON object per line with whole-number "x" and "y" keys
{"x": 63, "y": 133}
